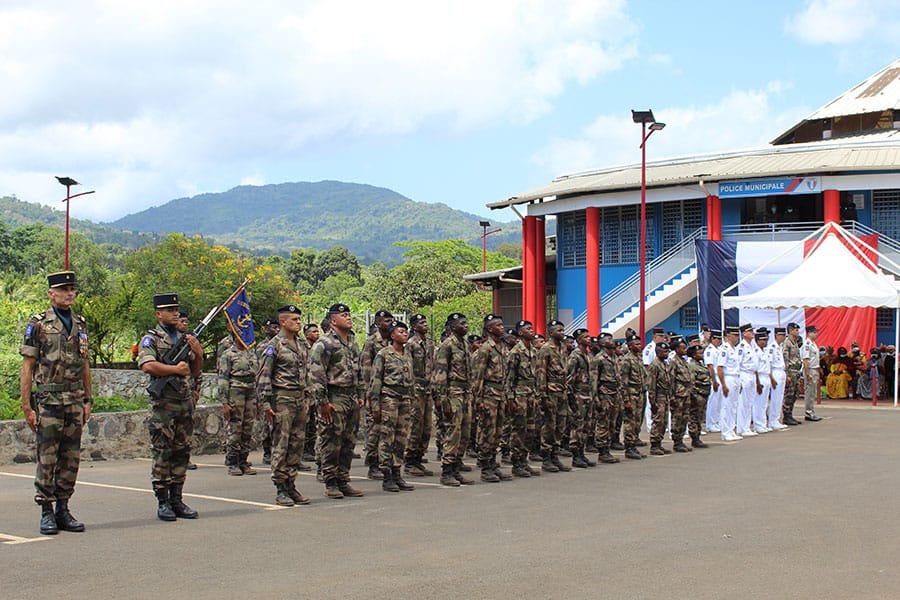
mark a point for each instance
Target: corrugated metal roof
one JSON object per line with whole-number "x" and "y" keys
{"x": 878, "y": 151}
{"x": 879, "y": 92}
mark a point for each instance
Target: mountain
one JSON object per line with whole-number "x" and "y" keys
{"x": 278, "y": 218}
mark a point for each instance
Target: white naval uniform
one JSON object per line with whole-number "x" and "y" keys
{"x": 761, "y": 400}
{"x": 749, "y": 362}
{"x": 776, "y": 397}
{"x": 728, "y": 361}
{"x": 713, "y": 403}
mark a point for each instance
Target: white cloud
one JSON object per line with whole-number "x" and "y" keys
{"x": 151, "y": 100}
{"x": 841, "y": 22}
{"x": 741, "y": 119}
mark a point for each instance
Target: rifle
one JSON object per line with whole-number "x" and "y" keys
{"x": 179, "y": 352}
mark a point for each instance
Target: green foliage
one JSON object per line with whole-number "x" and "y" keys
{"x": 475, "y": 306}
{"x": 111, "y": 404}
{"x": 334, "y": 261}
{"x": 300, "y": 269}
{"x": 10, "y": 408}
{"x": 20, "y": 297}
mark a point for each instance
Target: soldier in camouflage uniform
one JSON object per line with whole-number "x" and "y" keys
{"x": 634, "y": 394}
{"x": 390, "y": 396}
{"x": 450, "y": 389}
{"x": 55, "y": 356}
{"x": 702, "y": 384}
{"x": 659, "y": 390}
{"x": 793, "y": 366}
{"x": 509, "y": 340}
{"x": 606, "y": 380}
{"x": 550, "y": 383}
{"x": 488, "y": 374}
{"x": 421, "y": 349}
{"x": 378, "y": 339}
{"x": 311, "y": 333}
{"x": 339, "y": 394}
{"x": 680, "y": 400}
{"x": 580, "y": 387}
{"x": 196, "y": 380}
{"x": 236, "y": 368}
{"x": 519, "y": 388}
{"x": 281, "y": 386}
{"x": 271, "y": 329}
{"x": 171, "y": 422}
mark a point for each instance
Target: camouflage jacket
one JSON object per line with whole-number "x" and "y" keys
{"x": 284, "y": 366}
{"x": 579, "y": 378}
{"x": 154, "y": 346}
{"x": 60, "y": 356}
{"x": 421, "y": 349}
{"x": 702, "y": 377}
{"x": 793, "y": 365}
{"x": 520, "y": 364}
{"x": 374, "y": 344}
{"x": 631, "y": 370}
{"x": 392, "y": 374}
{"x": 489, "y": 367}
{"x": 334, "y": 364}
{"x": 607, "y": 377}
{"x": 659, "y": 379}
{"x": 550, "y": 372}
{"x": 236, "y": 367}
{"x": 682, "y": 379}
{"x": 451, "y": 366}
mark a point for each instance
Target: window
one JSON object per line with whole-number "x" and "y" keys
{"x": 886, "y": 212}
{"x": 620, "y": 235}
{"x": 688, "y": 315}
{"x": 884, "y": 318}
{"x": 570, "y": 235}
{"x": 680, "y": 219}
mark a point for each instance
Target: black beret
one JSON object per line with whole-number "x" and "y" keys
{"x": 662, "y": 346}
{"x": 165, "y": 300}
{"x": 182, "y": 314}
{"x": 570, "y": 337}
{"x": 309, "y": 326}
{"x": 674, "y": 340}
{"x": 270, "y": 323}
{"x": 523, "y": 323}
{"x": 579, "y": 332}
{"x": 473, "y": 338}
{"x": 290, "y": 309}
{"x": 381, "y": 314}
{"x": 633, "y": 338}
{"x": 60, "y": 279}
{"x": 793, "y": 326}
{"x": 745, "y": 327}
{"x": 491, "y": 317}
{"x": 395, "y": 324}
{"x": 605, "y": 334}
{"x": 455, "y": 317}
{"x": 555, "y": 323}
{"x": 417, "y": 318}
{"x": 338, "y": 308}
{"x": 539, "y": 336}
{"x": 595, "y": 339}
{"x": 511, "y": 331}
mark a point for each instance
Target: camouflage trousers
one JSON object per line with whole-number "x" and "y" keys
{"x": 373, "y": 431}
{"x": 659, "y": 413}
{"x": 395, "y": 425}
{"x": 242, "y": 400}
{"x": 309, "y": 445}
{"x": 490, "y": 411}
{"x": 791, "y": 391}
{"x": 697, "y": 413}
{"x": 517, "y": 421}
{"x": 171, "y": 428}
{"x": 605, "y": 419}
{"x": 58, "y": 441}
{"x": 291, "y": 410}
{"x": 580, "y": 420}
{"x": 420, "y": 423}
{"x": 534, "y": 423}
{"x": 614, "y": 418}
{"x": 679, "y": 407}
{"x": 556, "y": 418}
{"x": 632, "y": 416}
{"x": 337, "y": 439}
{"x": 457, "y": 425}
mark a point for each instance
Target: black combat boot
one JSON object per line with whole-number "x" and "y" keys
{"x": 64, "y": 519}
{"x": 459, "y": 476}
{"x": 578, "y": 462}
{"x": 398, "y": 479}
{"x": 232, "y": 461}
{"x": 680, "y": 446}
{"x": 789, "y": 418}
{"x": 656, "y": 449}
{"x": 589, "y": 462}
{"x": 499, "y": 472}
{"x": 246, "y": 467}
{"x": 487, "y": 472}
{"x": 556, "y": 463}
{"x": 181, "y": 510}
{"x": 48, "y": 520}
{"x": 616, "y": 445}
{"x": 374, "y": 472}
{"x": 520, "y": 469}
{"x": 633, "y": 453}
{"x": 283, "y": 497}
{"x": 387, "y": 481}
{"x": 412, "y": 468}
{"x": 164, "y": 510}
{"x": 447, "y": 477}
{"x": 349, "y": 491}
{"x": 696, "y": 442}
{"x": 332, "y": 490}
{"x": 548, "y": 464}
{"x": 291, "y": 488}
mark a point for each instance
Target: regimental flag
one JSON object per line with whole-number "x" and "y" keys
{"x": 238, "y": 315}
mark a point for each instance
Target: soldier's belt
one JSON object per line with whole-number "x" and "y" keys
{"x": 243, "y": 378}
{"x": 398, "y": 389}
{"x": 493, "y": 384}
{"x": 280, "y": 391}
{"x": 459, "y": 385}
{"x": 60, "y": 387}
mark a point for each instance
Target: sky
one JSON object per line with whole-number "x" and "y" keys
{"x": 464, "y": 102}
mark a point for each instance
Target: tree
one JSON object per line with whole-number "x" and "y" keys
{"x": 333, "y": 261}
{"x": 300, "y": 269}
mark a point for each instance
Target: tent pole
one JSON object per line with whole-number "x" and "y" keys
{"x": 896, "y": 346}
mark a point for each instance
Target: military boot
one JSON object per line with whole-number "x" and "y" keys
{"x": 414, "y": 469}
{"x": 332, "y": 491}
{"x": 246, "y": 467}
{"x": 556, "y": 463}
{"x": 616, "y": 445}
{"x": 656, "y": 449}
{"x": 548, "y": 464}
{"x": 504, "y": 458}
{"x": 64, "y": 519}
{"x": 589, "y": 462}
{"x": 374, "y": 472}
{"x": 696, "y": 442}
{"x": 633, "y": 453}
{"x": 447, "y": 477}
{"x": 789, "y": 419}
{"x": 487, "y": 472}
{"x": 578, "y": 462}
{"x": 181, "y": 510}
{"x": 680, "y": 446}
{"x": 605, "y": 457}
{"x": 534, "y": 472}
{"x": 591, "y": 445}
{"x": 459, "y": 476}
{"x": 283, "y": 497}
{"x": 387, "y": 482}
{"x": 399, "y": 481}
{"x": 349, "y": 491}
{"x": 48, "y": 520}
{"x": 235, "y": 470}
{"x": 164, "y": 511}
{"x": 420, "y": 464}
{"x": 520, "y": 469}
{"x": 291, "y": 488}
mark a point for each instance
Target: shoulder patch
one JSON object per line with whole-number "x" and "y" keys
{"x": 270, "y": 350}
{"x": 147, "y": 341}
{"x": 28, "y": 329}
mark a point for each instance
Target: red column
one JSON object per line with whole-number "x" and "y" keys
{"x": 832, "y": 202}
{"x": 592, "y": 230}
{"x": 540, "y": 288}
{"x": 525, "y": 267}
{"x": 716, "y": 218}
{"x": 528, "y": 272}
{"x": 495, "y": 301}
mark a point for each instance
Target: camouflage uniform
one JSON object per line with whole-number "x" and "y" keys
{"x": 550, "y": 381}
{"x": 421, "y": 349}
{"x": 580, "y": 384}
{"x": 374, "y": 344}
{"x": 334, "y": 378}
{"x": 702, "y": 385}
{"x": 390, "y": 393}
{"x": 488, "y": 374}
{"x": 237, "y": 370}
{"x": 281, "y": 386}
{"x": 659, "y": 389}
{"x": 450, "y": 388}
{"x": 267, "y": 428}
{"x": 680, "y": 400}
{"x": 606, "y": 381}
{"x": 631, "y": 369}
{"x": 58, "y": 399}
{"x": 519, "y": 384}
{"x": 793, "y": 366}
{"x": 171, "y": 422}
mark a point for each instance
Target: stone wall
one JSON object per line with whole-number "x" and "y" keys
{"x": 132, "y": 383}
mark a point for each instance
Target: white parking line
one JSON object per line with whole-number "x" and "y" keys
{"x": 10, "y": 540}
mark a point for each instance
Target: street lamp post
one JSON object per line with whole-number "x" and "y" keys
{"x": 644, "y": 117}
{"x": 484, "y": 234}
{"x": 69, "y": 182}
